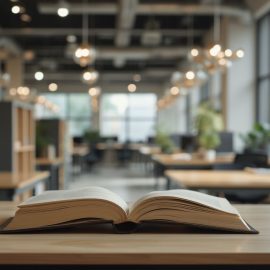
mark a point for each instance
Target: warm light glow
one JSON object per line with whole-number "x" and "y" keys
{"x": 132, "y": 87}
{"x": 240, "y": 53}
{"x": 228, "y": 53}
{"x": 29, "y": 55}
{"x": 215, "y": 50}
{"x": 87, "y": 75}
{"x": 190, "y": 75}
{"x": 62, "y": 12}
{"x": 175, "y": 90}
{"x": 53, "y": 87}
{"x": 26, "y": 91}
{"x": 26, "y": 18}
{"x": 41, "y": 99}
{"x": 39, "y": 75}
{"x": 194, "y": 52}
{"x": 13, "y": 91}
{"x": 16, "y": 9}
{"x": 84, "y": 55}
{"x": 90, "y": 76}
{"x": 94, "y": 91}
{"x": 222, "y": 62}
{"x": 23, "y": 91}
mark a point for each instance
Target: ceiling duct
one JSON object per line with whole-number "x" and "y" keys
{"x": 151, "y": 35}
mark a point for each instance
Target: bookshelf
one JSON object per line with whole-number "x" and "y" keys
{"x": 17, "y": 139}
{"x": 18, "y": 176}
{"x": 52, "y": 132}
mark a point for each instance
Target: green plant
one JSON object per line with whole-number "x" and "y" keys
{"x": 208, "y": 122}
{"x": 258, "y": 138}
{"x": 163, "y": 140}
{"x": 209, "y": 140}
{"x": 91, "y": 136}
{"x": 207, "y": 118}
{"x": 42, "y": 138}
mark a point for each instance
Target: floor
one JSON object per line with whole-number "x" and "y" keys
{"x": 129, "y": 181}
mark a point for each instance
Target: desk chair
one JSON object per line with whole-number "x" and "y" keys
{"x": 240, "y": 162}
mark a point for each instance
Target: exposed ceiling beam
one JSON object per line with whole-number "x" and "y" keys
{"x": 148, "y": 9}
{"x": 125, "y": 21}
{"x": 129, "y": 53}
{"x": 108, "y": 76}
{"x": 109, "y": 32}
{"x": 78, "y": 8}
{"x": 106, "y": 87}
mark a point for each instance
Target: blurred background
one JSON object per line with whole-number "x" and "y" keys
{"x": 115, "y": 93}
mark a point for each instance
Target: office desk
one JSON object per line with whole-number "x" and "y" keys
{"x": 56, "y": 168}
{"x": 218, "y": 180}
{"x": 185, "y": 161}
{"x": 167, "y": 249}
{"x": 195, "y": 160}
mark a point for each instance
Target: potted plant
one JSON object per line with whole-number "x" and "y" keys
{"x": 209, "y": 141}
{"x": 164, "y": 141}
{"x": 91, "y": 136}
{"x": 208, "y": 122}
{"x": 258, "y": 139}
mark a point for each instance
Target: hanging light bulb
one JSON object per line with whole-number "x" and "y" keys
{"x": 85, "y": 53}
{"x": 90, "y": 76}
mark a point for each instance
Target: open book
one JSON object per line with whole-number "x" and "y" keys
{"x": 60, "y": 208}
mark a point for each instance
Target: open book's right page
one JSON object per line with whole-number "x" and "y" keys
{"x": 220, "y": 204}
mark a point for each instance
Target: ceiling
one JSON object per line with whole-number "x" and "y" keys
{"x": 118, "y": 29}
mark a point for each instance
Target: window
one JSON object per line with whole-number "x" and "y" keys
{"x": 263, "y": 70}
{"x": 74, "y": 108}
{"x": 128, "y": 116}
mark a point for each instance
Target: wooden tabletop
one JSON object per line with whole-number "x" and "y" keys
{"x": 47, "y": 161}
{"x": 82, "y": 150}
{"x": 140, "y": 248}
{"x": 219, "y": 179}
{"x": 9, "y": 180}
{"x": 149, "y": 150}
{"x": 184, "y": 159}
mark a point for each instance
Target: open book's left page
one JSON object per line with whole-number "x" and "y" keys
{"x": 56, "y": 207}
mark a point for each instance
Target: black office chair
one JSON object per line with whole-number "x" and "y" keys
{"x": 242, "y": 161}
{"x": 255, "y": 160}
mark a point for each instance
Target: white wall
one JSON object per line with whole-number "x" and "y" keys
{"x": 241, "y": 80}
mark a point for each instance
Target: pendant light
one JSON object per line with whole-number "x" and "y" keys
{"x": 90, "y": 75}
{"x": 85, "y": 53}
{"x": 191, "y": 75}
{"x": 214, "y": 57}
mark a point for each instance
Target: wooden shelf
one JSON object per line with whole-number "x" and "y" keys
{"x": 25, "y": 148}
{"x": 17, "y": 144}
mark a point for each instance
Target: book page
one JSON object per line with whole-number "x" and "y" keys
{"x": 189, "y": 195}
{"x": 88, "y": 193}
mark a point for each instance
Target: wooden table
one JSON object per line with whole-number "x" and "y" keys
{"x": 167, "y": 249}
{"x": 12, "y": 186}
{"x": 56, "y": 168}
{"x": 195, "y": 160}
{"x": 218, "y": 180}
{"x": 186, "y": 161}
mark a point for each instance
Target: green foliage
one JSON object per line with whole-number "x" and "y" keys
{"x": 258, "y": 138}
{"x": 164, "y": 141}
{"x": 209, "y": 140}
{"x": 208, "y": 122}
{"x": 42, "y": 138}
{"x": 91, "y": 136}
{"x": 207, "y": 119}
